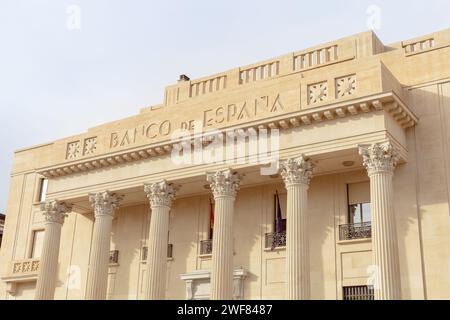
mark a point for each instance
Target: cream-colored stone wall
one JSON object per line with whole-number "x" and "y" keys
{"x": 123, "y": 155}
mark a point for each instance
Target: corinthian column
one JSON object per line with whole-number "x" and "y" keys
{"x": 380, "y": 160}
{"x": 224, "y": 185}
{"x": 160, "y": 195}
{"x": 296, "y": 174}
{"x": 54, "y": 214}
{"x": 104, "y": 204}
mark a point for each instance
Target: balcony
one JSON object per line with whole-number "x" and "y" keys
{"x": 206, "y": 247}
{"x": 21, "y": 271}
{"x": 114, "y": 257}
{"x": 145, "y": 252}
{"x": 358, "y": 293}
{"x": 355, "y": 231}
{"x": 275, "y": 240}
{"x": 25, "y": 267}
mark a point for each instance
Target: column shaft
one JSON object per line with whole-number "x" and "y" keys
{"x": 99, "y": 258}
{"x": 296, "y": 173}
{"x": 384, "y": 238}
{"x": 48, "y": 264}
{"x": 157, "y": 253}
{"x": 297, "y": 243}
{"x": 224, "y": 185}
{"x": 54, "y": 213}
{"x": 222, "y": 253}
{"x": 380, "y": 160}
{"x": 161, "y": 196}
{"x": 105, "y": 204}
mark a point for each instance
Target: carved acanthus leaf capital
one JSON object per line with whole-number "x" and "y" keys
{"x": 161, "y": 193}
{"x": 296, "y": 171}
{"x": 104, "y": 203}
{"x": 379, "y": 157}
{"x": 224, "y": 183}
{"x": 55, "y": 211}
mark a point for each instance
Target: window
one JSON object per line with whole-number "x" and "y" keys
{"x": 36, "y": 246}
{"x": 358, "y": 225}
{"x": 359, "y": 213}
{"x": 358, "y": 293}
{"x": 277, "y": 238}
{"x": 211, "y": 219}
{"x": 43, "y": 186}
{"x": 144, "y": 252}
{"x": 358, "y": 202}
{"x": 279, "y": 212}
{"x": 114, "y": 257}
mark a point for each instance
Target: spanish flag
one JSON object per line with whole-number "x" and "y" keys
{"x": 211, "y": 221}
{"x": 279, "y": 227}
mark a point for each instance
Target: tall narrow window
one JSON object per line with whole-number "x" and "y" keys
{"x": 359, "y": 203}
{"x": 211, "y": 219}
{"x": 43, "y": 186}
{"x": 358, "y": 224}
{"x": 277, "y": 238}
{"x": 36, "y": 246}
{"x": 206, "y": 245}
{"x": 280, "y": 208}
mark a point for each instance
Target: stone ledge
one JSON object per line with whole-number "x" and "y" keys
{"x": 275, "y": 249}
{"x": 13, "y": 280}
{"x": 354, "y": 241}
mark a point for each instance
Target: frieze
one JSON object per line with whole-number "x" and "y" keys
{"x": 210, "y": 117}
{"x": 283, "y": 118}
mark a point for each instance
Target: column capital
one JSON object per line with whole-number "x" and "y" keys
{"x": 224, "y": 183}
{"x": 104, "y": 203}
{"x": 55, "y": 211}
{"x": 379, "y": 157}
{"x": 161, "y": 193}
{"x": 296, "y": 170}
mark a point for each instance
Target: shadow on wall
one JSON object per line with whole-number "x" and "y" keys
{"x": 321, "y": 210}
{"x": 183, "y": 235}
{"x": 423, "y": 210}
{"x": 248, "y": 236}
{"x": 124, "y": 280}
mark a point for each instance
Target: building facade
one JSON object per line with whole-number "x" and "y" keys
{"x": 319, "y": 174}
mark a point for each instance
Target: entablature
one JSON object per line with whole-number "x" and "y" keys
{"x": 389, "y": 102}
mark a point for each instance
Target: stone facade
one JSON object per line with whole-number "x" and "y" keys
{"x": 359, "y": 126}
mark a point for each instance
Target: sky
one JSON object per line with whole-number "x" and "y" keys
{"x": 66, "y": 66}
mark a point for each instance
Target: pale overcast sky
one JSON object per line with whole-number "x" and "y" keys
{"x": 58, "y": 80}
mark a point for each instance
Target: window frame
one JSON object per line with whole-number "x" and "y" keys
{"x": 32, "y": 242}
{"x": 40, "y": 195}
{"x": 350, "y": 218}
{"x": 274, "y": 216}
{"x": 360, "y": 208}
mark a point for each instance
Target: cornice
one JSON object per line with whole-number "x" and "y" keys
{"x": 198, "y": 171}
{"x": 387, "y": 101}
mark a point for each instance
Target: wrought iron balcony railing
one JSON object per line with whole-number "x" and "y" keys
{"x": 358, "y": 293}
{"x": 114, "y": 257}
{"x": 145, "y": 252}
{"x": 275, "y": 240}
{"x": 355, "y": 231}
{"x": 206, "y": 247}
